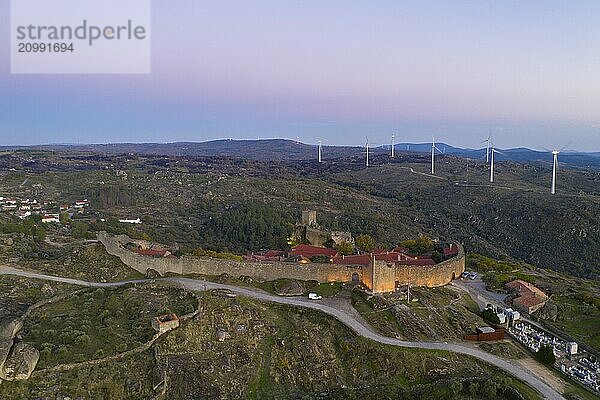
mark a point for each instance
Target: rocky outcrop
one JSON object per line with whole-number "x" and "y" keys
{"x": 20, "y": 363}
{"x": 17, "y": 360}
{"x": 8, "y": 330}
{"x": 290, "y": 287}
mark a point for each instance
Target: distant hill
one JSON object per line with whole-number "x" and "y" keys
{"x": 264, "y": 150}
{"x": 288, "y": 150}
{"x": 519, "y": 154}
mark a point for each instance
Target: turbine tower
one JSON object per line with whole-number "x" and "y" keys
{"x": 492, "y": 152}
{"x": 555, "y": 154}
{"x": 393, "y": 145}
{"x": 433, "y": 149}
{"x": 488, "y": 143}
{"x": 320, "y": 151}
{"x": 367, "y": 152}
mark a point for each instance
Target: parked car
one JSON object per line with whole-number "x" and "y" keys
{"x": 472, "y": 276}
{"x": 464, "y": 275}
{"x": 314, "y": 296}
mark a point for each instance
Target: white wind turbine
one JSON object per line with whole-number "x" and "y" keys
{"x": 488, "y": 143}
{"x": 367, "y": 146}
{"x": 320, "y": 150}
{"x": 555, "y": 154}
{"x": 492, "y": 152}
{"x": 393, "y": 144}
{"x": 433, "y": 149}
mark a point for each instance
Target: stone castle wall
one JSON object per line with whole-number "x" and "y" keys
{"x": 264, "y": 271}
{"x": 379, "y": 277}
{"x": 386, "y": 276}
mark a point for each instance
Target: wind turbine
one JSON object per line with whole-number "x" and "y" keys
{"x": 555, "y": 154}
{"x": 488, "y": 143}
{"x": 320, "y": 151}
{"x": 433, "y": 149}
{"x": 492, "y": 152}
{"x": 393, "y": 145}
{"x": 367, "y": 146}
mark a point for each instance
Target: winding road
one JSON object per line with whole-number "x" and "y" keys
{"x": 351, "y": 320}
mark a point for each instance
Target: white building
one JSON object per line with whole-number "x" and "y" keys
{"x": 130, "y": 221}
{"x": 49, "y": 218}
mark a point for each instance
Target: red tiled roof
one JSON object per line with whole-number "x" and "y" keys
{"x": 401, "y": 249}
{"x": 529, "y": 295}
{"x": 393, "y": 256}
{"x": 529, "y": 300}
{"x": 450, "y": 251}
{"x": 152, "y": 253}
{"x": 525, "y": 288}
{"x": 365, "y": 259}
{"x": 308, "y": 251}
{"x": 379, "y": 251}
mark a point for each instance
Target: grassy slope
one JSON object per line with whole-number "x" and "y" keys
{"x": 100, "y": 322}
{"x": 439, "y": 314}
{"x": 299, "y": 352}
{"x": 387, "y": 201}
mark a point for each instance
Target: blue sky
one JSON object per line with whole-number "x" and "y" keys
{"x": 332, "y": 70}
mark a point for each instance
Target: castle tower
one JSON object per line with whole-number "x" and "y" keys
{"x": 309, "y": 218}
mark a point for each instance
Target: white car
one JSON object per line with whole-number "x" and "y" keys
{"x": 314, "y": 296}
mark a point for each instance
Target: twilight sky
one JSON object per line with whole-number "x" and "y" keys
{"x": 529, "y": 71}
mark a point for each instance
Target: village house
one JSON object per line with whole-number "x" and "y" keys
{"x": 529, "y": 298}
{"x": 50, "y": 218}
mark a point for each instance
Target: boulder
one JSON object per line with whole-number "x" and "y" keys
{"x": 290, "y": 287}
{"x": 21, "y": 362}
{"x": 47, "y": 290}
{"x": 222, "y": 335}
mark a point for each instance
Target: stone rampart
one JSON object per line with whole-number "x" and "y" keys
{"x": 380, "y": 276}
{"x": 386, "y": 276}
{"x": 263, "y": 271}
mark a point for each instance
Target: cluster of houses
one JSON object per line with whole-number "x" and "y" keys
{"x": 305, "y": 253}
{"x": 570, "y": 360}
{"x": 48, "y": 210}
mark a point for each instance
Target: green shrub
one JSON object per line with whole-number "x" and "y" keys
{"x": 546, "y": 355}
{"x": 489, "y": 315}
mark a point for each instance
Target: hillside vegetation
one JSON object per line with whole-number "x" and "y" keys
{"x": 227, "y": 204}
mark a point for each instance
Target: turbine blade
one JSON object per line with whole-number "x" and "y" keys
{"x": 566, "y": 145}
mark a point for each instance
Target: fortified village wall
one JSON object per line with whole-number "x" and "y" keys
{"x": 379, "y": 276}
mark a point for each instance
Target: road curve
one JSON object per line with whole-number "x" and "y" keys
{"x": 358, "y": 326}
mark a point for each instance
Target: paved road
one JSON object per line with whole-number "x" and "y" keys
{"x": 356, "y": 324}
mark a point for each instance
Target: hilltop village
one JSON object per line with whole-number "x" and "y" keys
{"x": 345, "y": 259}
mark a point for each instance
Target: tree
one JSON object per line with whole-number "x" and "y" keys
{"x": 473, "y": 388}
{"x": 345, "y": 248}
{"x": 365, "y": 243}
{"x": 546, "y": 355}
{"x": 456, "y": 387}
{"x": 418, "y": 246}
{"x": 64, "y": 218}
{"x": 489, "y": 389}
{"x": 489, "y": 315}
